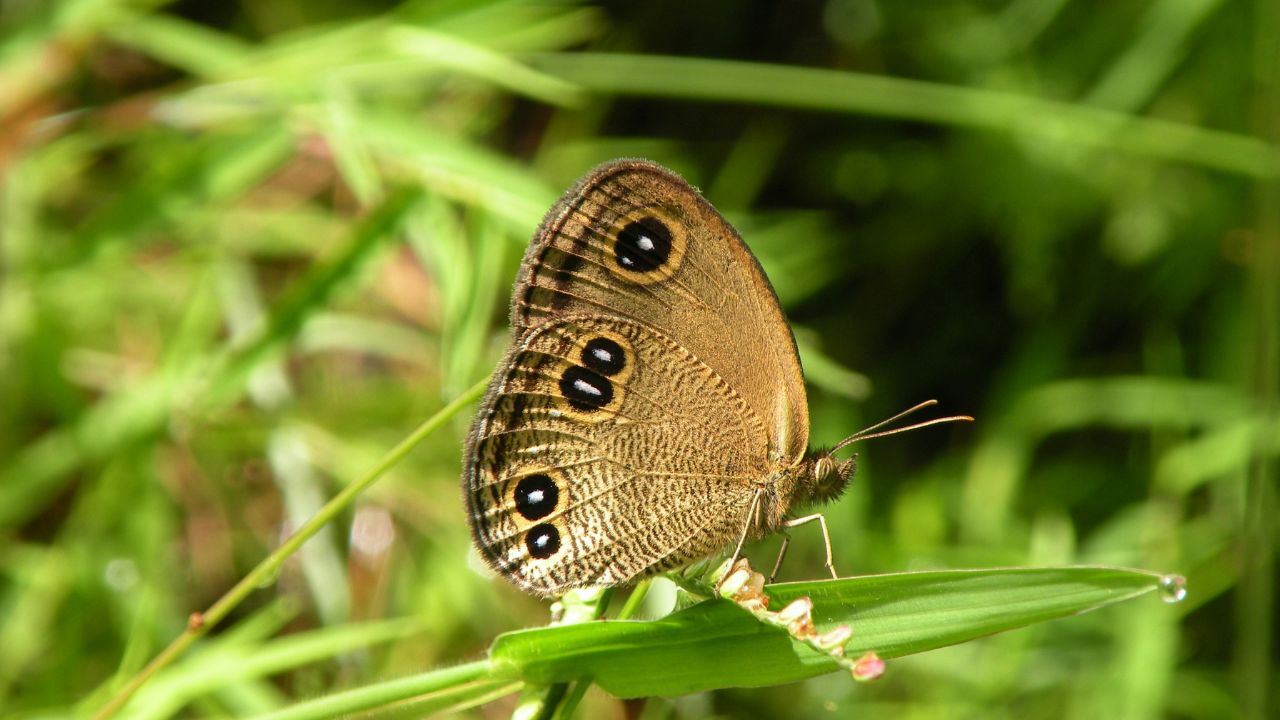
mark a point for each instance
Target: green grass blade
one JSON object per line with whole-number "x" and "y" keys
{"x": 197, "y": 49}
{"x": 458, "y": 55}
{"x": 447, "y": 688}
{"x": 225, "y": 664}
{"x": 706, "y": 80}
{"x": 1002, "y": 459}
{"x": 205, "y": 173}
{"x": 1145, "y": 65}
{"x": 376, "y": 232}
{"x": 37, "y": 472}
{"x": 715, "y": 644}
{"x": 266, "y": 571}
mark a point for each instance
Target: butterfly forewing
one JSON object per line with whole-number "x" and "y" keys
{"x": 634, "y": 241}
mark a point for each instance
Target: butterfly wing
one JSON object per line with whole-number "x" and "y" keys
{"x": 634, "y": 241}
{"x": 605, "y": 451}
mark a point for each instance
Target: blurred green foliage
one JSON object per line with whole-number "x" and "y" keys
{"x": 1063, "y": 218}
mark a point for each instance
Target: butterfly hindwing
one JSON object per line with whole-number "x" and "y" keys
{"x": 583, "y": 468}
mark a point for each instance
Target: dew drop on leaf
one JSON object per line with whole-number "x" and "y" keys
{"x": 1173, "y": 588}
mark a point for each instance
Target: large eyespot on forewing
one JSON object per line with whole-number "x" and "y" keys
{"x": 646, "y": 245}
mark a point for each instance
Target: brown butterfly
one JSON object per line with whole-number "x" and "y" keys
{"x": 651, "y": 410}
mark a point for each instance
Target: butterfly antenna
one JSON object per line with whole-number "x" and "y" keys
{"x": 868, "y": 433}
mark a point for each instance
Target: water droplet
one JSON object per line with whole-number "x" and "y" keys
{"x": 1173, "y": 588}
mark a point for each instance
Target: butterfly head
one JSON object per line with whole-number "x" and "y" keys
{"x": 826, "y": 477}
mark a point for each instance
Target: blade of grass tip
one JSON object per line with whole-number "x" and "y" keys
{"x": 201, "y": 622}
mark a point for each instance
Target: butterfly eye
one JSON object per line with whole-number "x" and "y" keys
{"x": 604, "y": 356}
{"x": 585, "y": 389}
{"x": 542, "y": 541}
{"x": 536, "y": 496}
{"x": 643, "y": 245}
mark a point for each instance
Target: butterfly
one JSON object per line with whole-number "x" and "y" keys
{"x": 651, "y": 410}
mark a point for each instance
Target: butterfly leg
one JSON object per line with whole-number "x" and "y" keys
{"x": 782, "y": 552}
{"x": 746, "y": 529}
{"x": 826, "y": 538}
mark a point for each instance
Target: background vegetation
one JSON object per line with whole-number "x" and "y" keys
{"x": 1063, "y": 218}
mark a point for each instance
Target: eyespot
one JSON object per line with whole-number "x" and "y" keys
{"x": 536, "y": 496}
{"x": 649, "y": 243}
{"x": 642, "y": 245}
{"x": 542, "y": 541}
{"x": 604, "y": 356}
{"x": 585, "y": 389}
